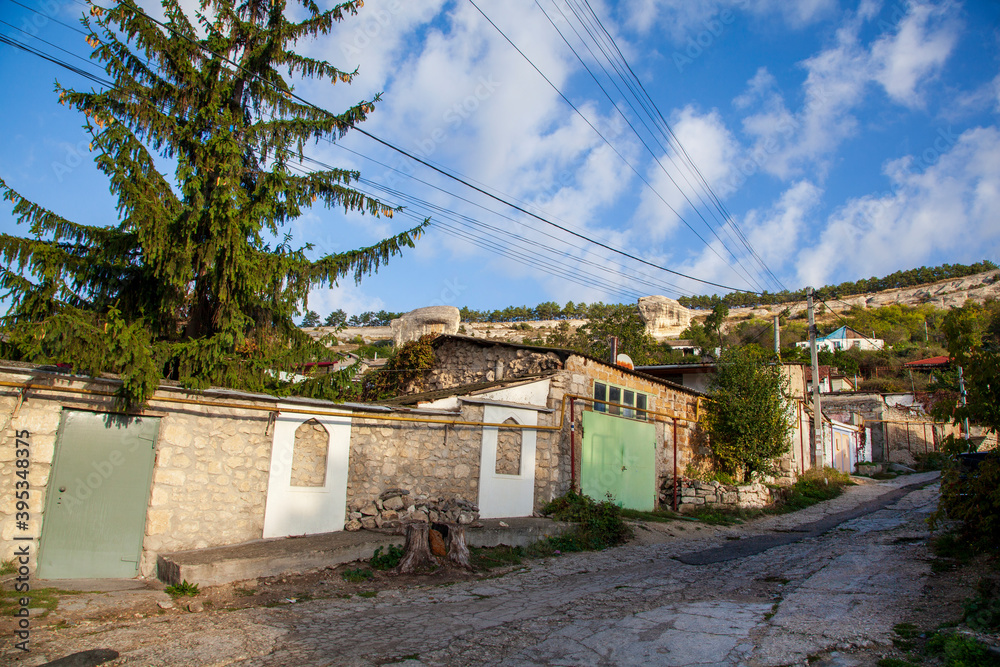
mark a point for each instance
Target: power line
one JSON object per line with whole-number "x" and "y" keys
{"x": 642, "y": 140}
{"x": 143, "y": 14}
{"x": 606, "y": 141}
{"x": 650, "y": 104}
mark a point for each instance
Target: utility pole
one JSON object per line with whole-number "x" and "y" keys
{"x": 819, "y": 452}
{"x": 777, "y": 338}
{"x": 961, "y": 390}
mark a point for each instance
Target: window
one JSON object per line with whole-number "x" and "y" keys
{"x": 309, "y": 455}
{"x": 614, "y": 396}
{"x": 600, "y": 394}
{"x": 637, "y": 403}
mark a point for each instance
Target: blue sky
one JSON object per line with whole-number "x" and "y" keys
{"x": 841, "y": 140}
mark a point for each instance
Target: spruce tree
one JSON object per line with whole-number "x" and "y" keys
{"x": 196, "y": 279}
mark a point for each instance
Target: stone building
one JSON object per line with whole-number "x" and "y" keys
{"x": 621, "y": 425}
{"x": 108, "y": 492}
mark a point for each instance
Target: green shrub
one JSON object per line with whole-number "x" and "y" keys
{"x": 358, "y": 575}
{"x": 982, "y": 612}
{"x": 601, "y": 524}
{"x": 960, "y": 651}
{"x": 183, "y": 589}
{"x": 931, "y": 461}
{"x": 972, "y": 497}
{"x": 692, "y": 472}
{"x": 387, "y": 560}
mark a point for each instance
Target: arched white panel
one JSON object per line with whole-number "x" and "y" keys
{"x": 507, "y": 495}
{"x": 306, "y": 510}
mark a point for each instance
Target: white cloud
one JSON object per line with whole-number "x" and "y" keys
{"x": 682, "y": 19}
{"x": 776, "y": 233}
{"x": 712, "y": 148}
{"x": 916, "y": 52}
{"x": 347, "y": 296}
{"x": 948, "y": 210}
{"x": 786, "y": 142}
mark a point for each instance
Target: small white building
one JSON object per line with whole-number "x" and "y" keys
{"x": 845, "y": 338}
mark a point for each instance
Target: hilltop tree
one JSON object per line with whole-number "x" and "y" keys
{"x": 197, "y": 279}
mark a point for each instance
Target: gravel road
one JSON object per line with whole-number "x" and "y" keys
{"x": 833, "y": 578}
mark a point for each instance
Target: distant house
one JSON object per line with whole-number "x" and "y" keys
{"x": 831, "y": 380}
{"x": 929, "y": 364}
{"x": 845, "y": 338}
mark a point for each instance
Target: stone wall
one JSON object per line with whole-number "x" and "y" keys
{"x": 693, "y": 494}
{"x": 209, "y": 478}
{"x": 310, "y": 454}
{"x": 430, "y": 461}
{"x": 460, "y": 362}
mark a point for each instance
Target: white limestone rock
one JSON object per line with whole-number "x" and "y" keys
{"x": 664, "y": 318}
{"x": 423, "y": 321}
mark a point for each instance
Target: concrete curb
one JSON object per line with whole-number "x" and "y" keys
{"x": 269, "y": 558}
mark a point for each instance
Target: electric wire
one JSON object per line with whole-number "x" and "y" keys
{"x": 635, "y": 276}
{"x": 564, "y": 273}
{"x": 391, "y": 146}
{"x": 639, "y": 115}
{"x": 608, "y": 47}
{"x": 610, "y": 145}
{"x": 680, "y": 146}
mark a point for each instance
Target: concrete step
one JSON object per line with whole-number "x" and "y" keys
{"x": 286, "y": 555}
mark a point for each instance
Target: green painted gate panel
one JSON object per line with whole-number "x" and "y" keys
{"x": 619, "y": 457}
{"x": 98, "y": 491}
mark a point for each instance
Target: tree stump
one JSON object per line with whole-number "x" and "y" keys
{"x": 417, "y": 556}
{"x": 458, "y": 550}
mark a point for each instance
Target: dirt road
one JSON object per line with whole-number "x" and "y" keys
{"x": 824, "y": 582}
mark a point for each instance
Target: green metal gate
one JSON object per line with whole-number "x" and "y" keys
{"x": 98, "y": 492}
{"x": 619, "y": 457}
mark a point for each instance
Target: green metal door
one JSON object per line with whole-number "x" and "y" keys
{"x": 619, "y": 457}
{"x": 95, "y": 508}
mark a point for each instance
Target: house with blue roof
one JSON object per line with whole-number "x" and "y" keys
{"x": 845, "y": 338}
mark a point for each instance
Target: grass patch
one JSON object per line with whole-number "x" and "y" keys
{"x": 245, "y": 592}
{"x": 183, "y": 589}
{"x": 813, "y": 487}
{"x": 358, "y": 575}
{"x": 387, "y": 560}
{"x": 8, "y": 567}
{"x": 601, "y": 524}
{"x": 367, "y": 594}
{"x": 895, "y": 662}
{"x": 947, "y": 648}
{"x": 656, "y": 516}
{"x": 487, "y": 558}
{"x": 45, "y": 599}
{"x": 715, "y": 516}
{"x": 957, "y": 650}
